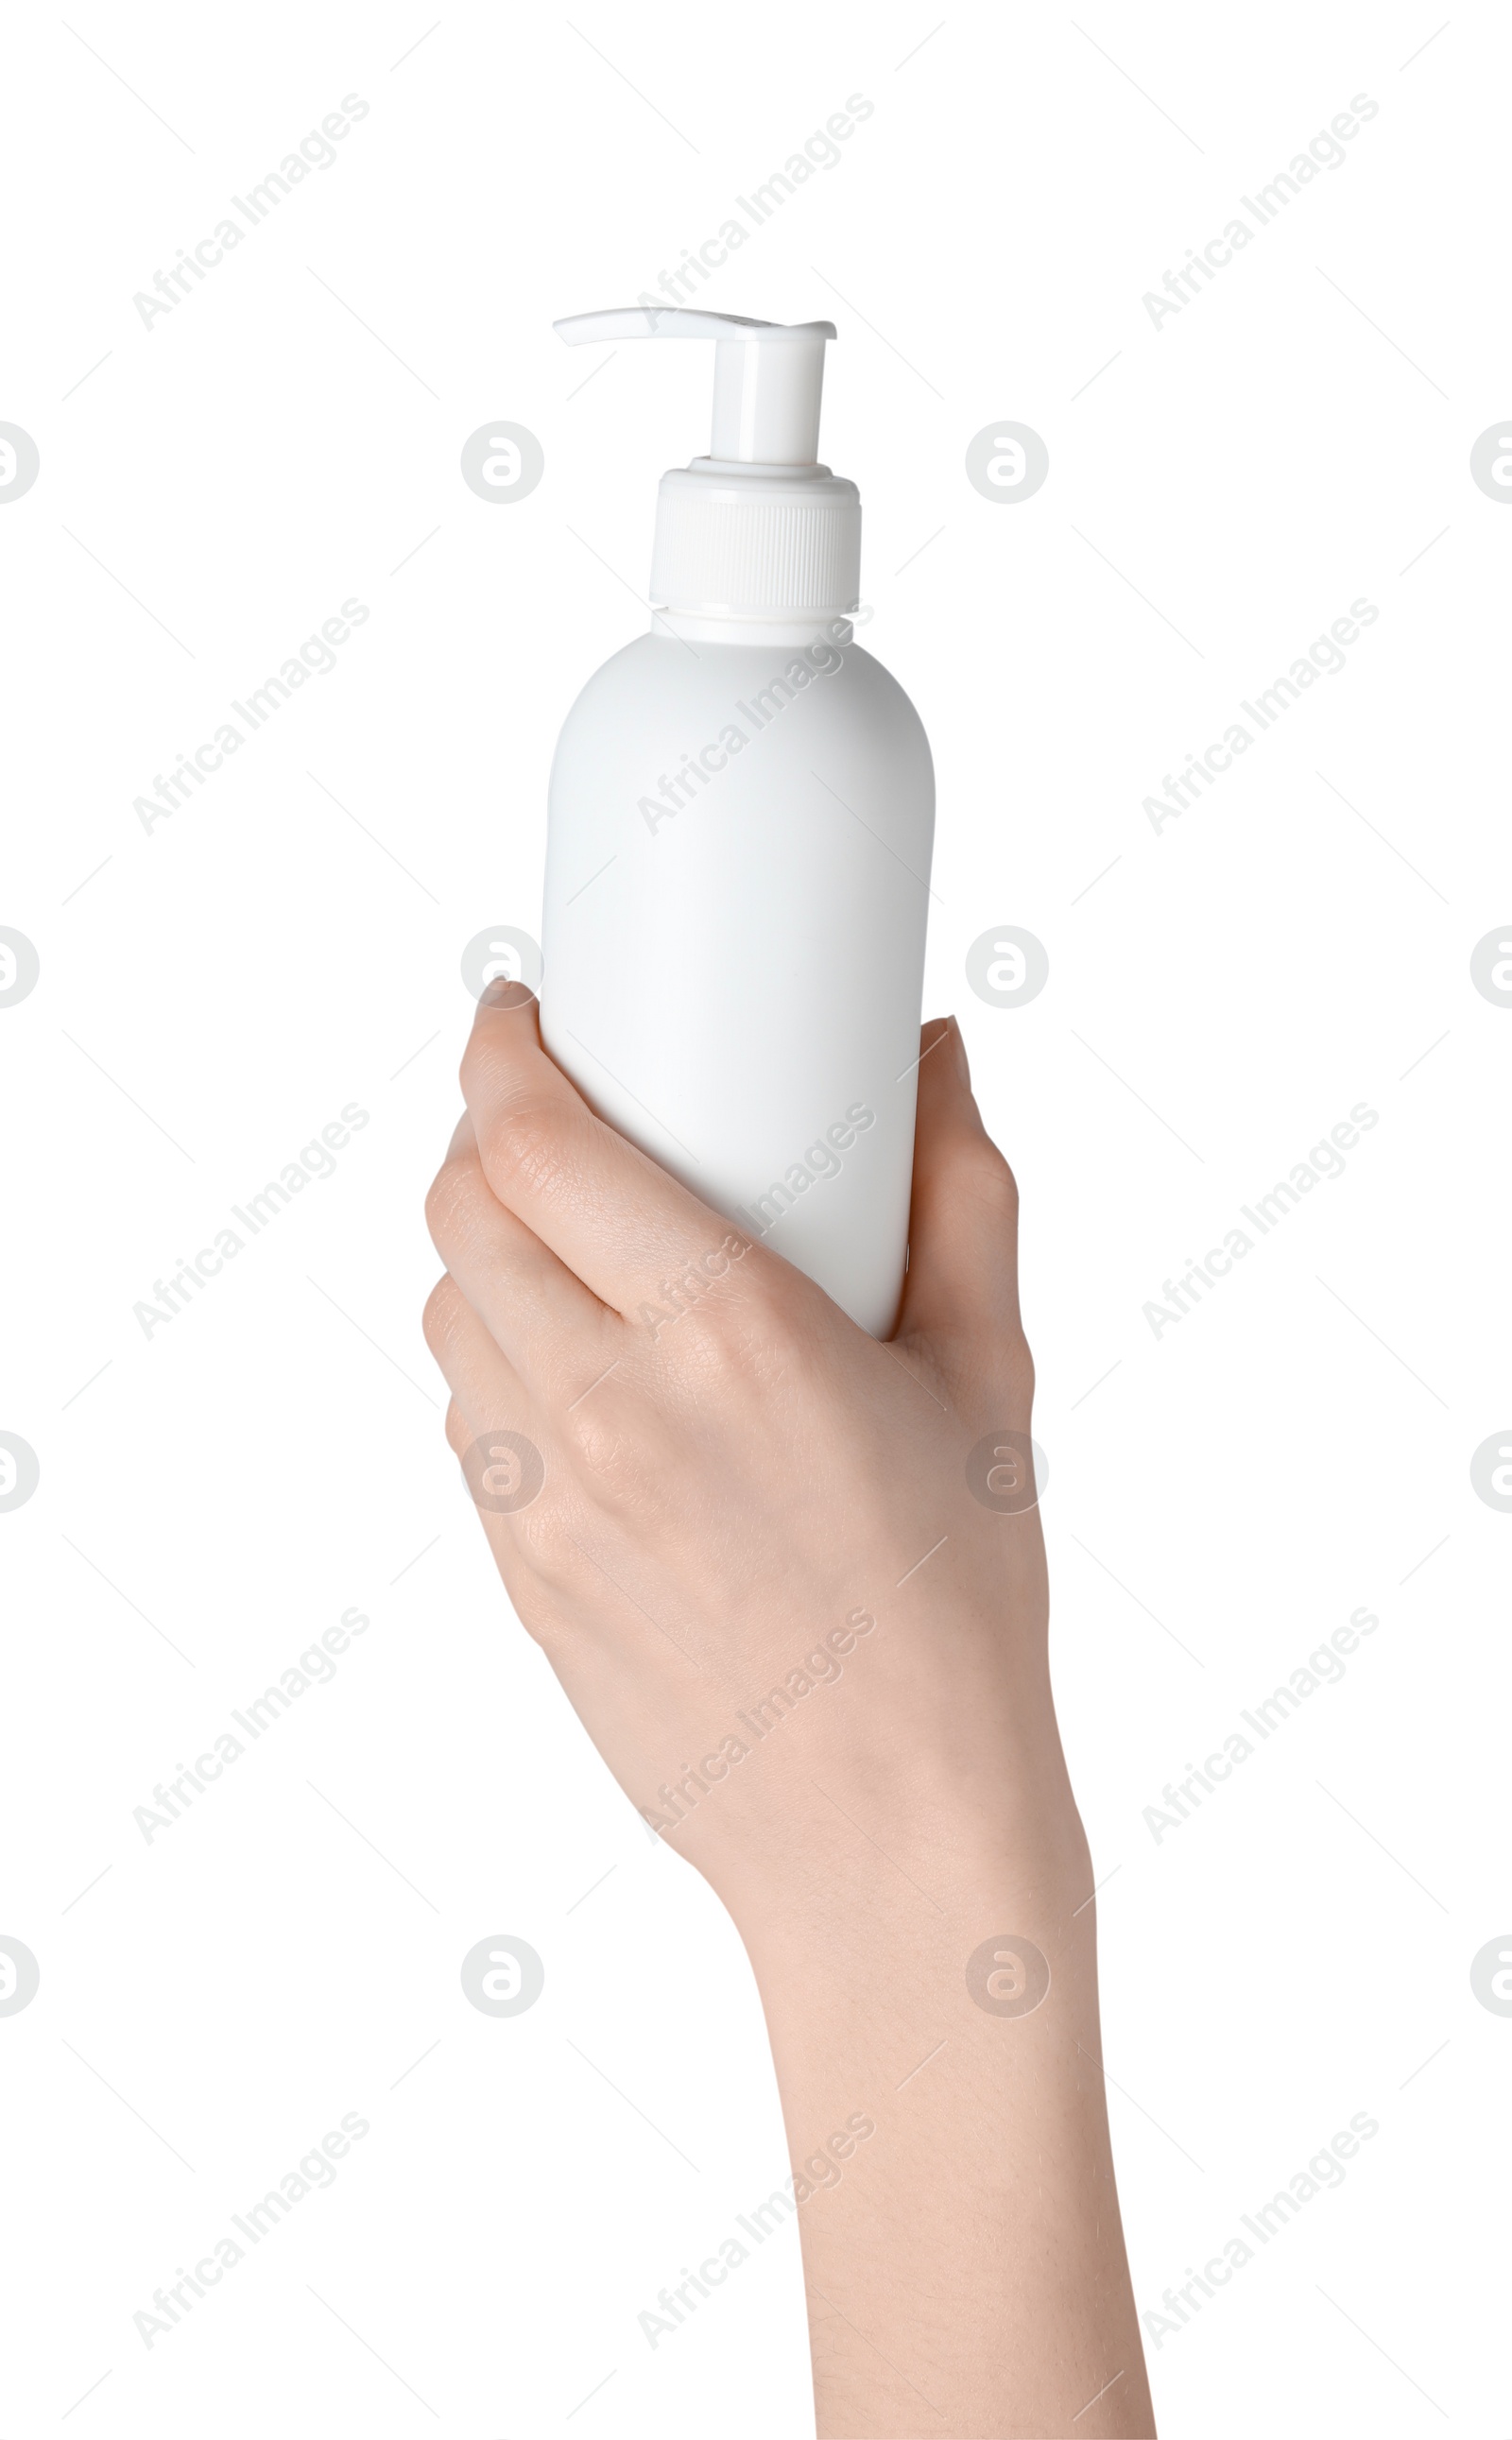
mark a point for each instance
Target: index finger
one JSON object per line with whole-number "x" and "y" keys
{"x": 601, "y": 1204}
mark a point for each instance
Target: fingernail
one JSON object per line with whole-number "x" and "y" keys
{"x": 501, "y": 993}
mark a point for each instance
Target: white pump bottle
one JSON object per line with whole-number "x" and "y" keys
{"x": 741, "y": 819}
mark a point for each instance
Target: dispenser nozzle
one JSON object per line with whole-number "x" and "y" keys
{"x": 769, "y": 376}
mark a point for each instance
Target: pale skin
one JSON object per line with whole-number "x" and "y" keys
{"x": 735, "y": 1479}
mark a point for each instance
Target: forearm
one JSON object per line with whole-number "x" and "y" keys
{"x": 964, "y": 2260}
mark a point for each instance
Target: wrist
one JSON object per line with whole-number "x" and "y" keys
{"x": 878, "y": 1933}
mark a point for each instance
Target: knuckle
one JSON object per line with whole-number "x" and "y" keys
{"x": 522, "y": 1144}
{"x": 610, "y": 1454}
{"x": 994, "y": 1182}
{"x": 777, "y": 1341}
{"x": 1005, "y": 1379}
{"x": 681, "y": 1301}
{"x": 1020, "y": 1366}
{"x": 450, "y": 1204}
{"x": 601, "y": 1449}
{"x": 759, "y": 1333}
{"x": 479, "y": 1073}
{"x": 511, "y": 1114}
{"x": 542, "y": 1539}
{"x": 439, "y": 1322}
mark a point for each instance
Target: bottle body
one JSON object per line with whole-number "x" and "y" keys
{"x": 736, "y": 890}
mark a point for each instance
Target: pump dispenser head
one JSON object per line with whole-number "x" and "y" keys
{"x": 757, "y": 541}
{"x": 767, "y": 376}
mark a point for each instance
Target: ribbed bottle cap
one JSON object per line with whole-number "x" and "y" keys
{"x": 734, "y": 543}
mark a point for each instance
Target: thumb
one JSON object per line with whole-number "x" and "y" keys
{"x": 961, "y": 1288}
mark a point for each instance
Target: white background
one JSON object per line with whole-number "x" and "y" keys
{"x": 213, "y": 992}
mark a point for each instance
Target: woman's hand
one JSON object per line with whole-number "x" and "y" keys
{"x": 793, "y": 1582}
{"x": 756, "y": 1560}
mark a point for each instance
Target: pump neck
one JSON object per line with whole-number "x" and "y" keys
{"x": 758, "y": 534}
